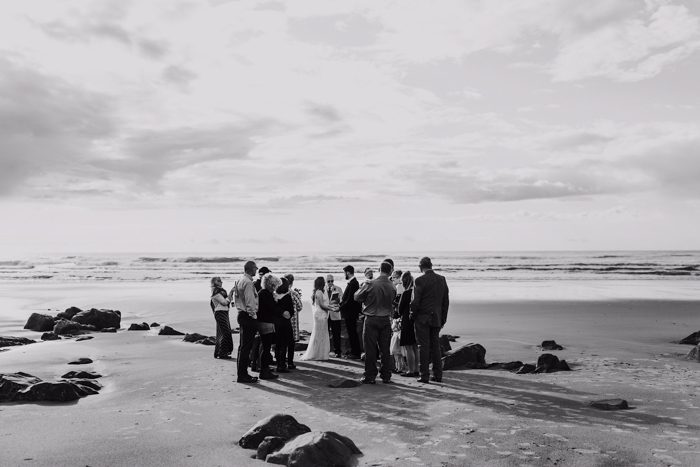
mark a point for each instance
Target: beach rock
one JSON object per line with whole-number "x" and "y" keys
{"x": 81, "y": 361}
{"x": 168, "y": 331}
{"x": 64, "y": 326}
{"x": 155, "y": 325}
{"x": 81, "y": 375}
{"x": 563, "y": 366}
{"x": 444, "y": 345}
{"x": 317, "y": 448}
{"x": 84, "y": 338}
{"x": 468, "y": 356}
{"x": 550, "y": 345}
{"x": 693, "y": 339}
{"x": 199, "y": 339}
{"x": 509, "y": 366}
{"x": 547, "y": 363}
{"x": 108, "y": 330}
{"x": 23, "y": 387}
{"x": 269, "y": 445}
{"x": 694, "y": 354}
{"x": 139, "y": 327}
{"x": 10, "y": 341}
{"x": 344, "y": 383}
{"x": 283, "y": 426}
{"x": 69, "y": 313}
{"x": 525, "y": 369}
{"x": 300, "y": 346}
{"x": 101, "y": 318}
{"x": 40, "y": 323}
{"x": 610, "y": 404}
{"x": 50, "y": 336}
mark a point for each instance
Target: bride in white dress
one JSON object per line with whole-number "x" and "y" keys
{"x": 320, "y": 343}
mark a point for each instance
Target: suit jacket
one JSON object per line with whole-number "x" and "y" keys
{"x": 431, "y": 299}
{"x": 348, "y": 306}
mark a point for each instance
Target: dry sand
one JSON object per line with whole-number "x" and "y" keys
{"x": 167, "y": 402}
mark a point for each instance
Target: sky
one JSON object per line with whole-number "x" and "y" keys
{"x": 364, "y": 126}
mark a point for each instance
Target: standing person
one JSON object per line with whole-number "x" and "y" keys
{"x": 283, "y": 329}
{"x": 245, "y": 297}
{"x": 378, "y": 297}
{"x": 261, "y": 273}
{"x": 219, "y": 303}
{"x": 255, "y": 352}
{"x": 319, "y": 343}
{"x": 269, "y": 314}
{"x": 431, "y": 300}
{"x": 407, "y": 339}
{"x": 350, "y": 311}
{"x": 334, "y": 293}
{"x": 296, "y": 317}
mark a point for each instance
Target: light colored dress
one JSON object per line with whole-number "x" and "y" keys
{"x": 320, "y": 343}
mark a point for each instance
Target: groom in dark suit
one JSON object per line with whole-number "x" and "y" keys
{"x": 431, "y": 300}
{"x": 350, "y": 311}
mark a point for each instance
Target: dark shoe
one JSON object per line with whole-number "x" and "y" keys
{"x": 410, "y": 375}
{"x": 247, "y": 379}
{"x": 437, "y": 380}
{"x": 254, "y": 368}
{"x": 423, "y": 380}
{"x": 364, "y": 380}
{"x": 268, "y": 375}
{"x": 354, "y": 357}
{"x": 387, "y": 381}
{"x": 291, "y": 366}
{"x": 225, "y": 357}
{"x": 282, "y": 370}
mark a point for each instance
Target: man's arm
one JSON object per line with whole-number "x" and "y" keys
{"x": 361, "y": 294}
{"x": 417, "y": 297}
{"x": 249, "y": 294}
{"x": 445, "y": 303}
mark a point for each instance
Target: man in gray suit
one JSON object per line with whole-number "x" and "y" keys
{"x": 431, "y": 300}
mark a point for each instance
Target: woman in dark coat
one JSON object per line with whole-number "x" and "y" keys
{"x": 269, "y": 313}
{"x": 408, "y": 336}
{"x": 284, "y": 330}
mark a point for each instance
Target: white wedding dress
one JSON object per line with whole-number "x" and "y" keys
{"x": 320, "y": 343}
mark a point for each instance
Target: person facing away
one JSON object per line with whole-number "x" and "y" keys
{"x": 298, "y": 307}
{"x": 350, "y": 312}
{"x": 269, "y": 315}
{"x": 245, "y": 298}
{"x": 256, "y": 350}
{"x": 377, "y": 297}
{"x": 319, "y": 343}
{"x": 261, "y": 273}
{"x": 431, "y": 301}
{"x": 408, "y": 333}
{"x": 334, "y": 294}
{"x": 219, "y": 303}
{"x": 283, "y": 329}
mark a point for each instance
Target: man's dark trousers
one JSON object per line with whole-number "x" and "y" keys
{"x": 334, "y": 327}
{"x": 377, "y": 332}
{"x": 249, "y": 328}
{"x": 351, "y": 326}
{"x": 428, "y": 349}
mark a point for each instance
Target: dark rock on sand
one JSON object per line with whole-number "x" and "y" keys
{"x": 525, "y": 369}
{"x": 344, "y": 383}
{"x": 283, "y": 426}
{"x": 101, "y": 318}
{"x": 269, "y": 445}
{"x": 468, "y": 356}
{"x": 199, "y": 339}
{"x": 23, "y": 387}
{"x": 444, "y": 345}
{"x": 139, "y": 327}
{"x": 693, "y": 339}
{"x": 108, "y": 330}
{"x": 694, "y": 354}
{"x": 69, "y": 313}
{"x": 64, "y": 326}
{"x": 155, "y": 325}
{"x": 50, "y": 336}
{"x": 84, "y": 338}
{"x": 318, "y": 448}
{"x": 550, "y": 345}
{"x": 548, "y": 363}
{"x": 81, "y": 361}
{"x": 610, "y": 404}
{"x": 509, "y": 366}
{"x": 300, "y": 346}
{"x": 168, "y": 331}
{"x": 10, "y": 341}
{"x": 40, "y": 323}
{"x": 81, "y": 375}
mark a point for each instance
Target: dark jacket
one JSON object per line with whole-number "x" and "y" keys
{"x": 269, "y": 310}
{"x": 431, "y": 299}
{"x": 349, "y": 308}
{"x": 286, "y": 303}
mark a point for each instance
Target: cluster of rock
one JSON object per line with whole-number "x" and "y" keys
{"x": 693, "y": 339}
{"x": 280, "y": 439}
{"x": 74, "y": 321}
{"x": 473, "y": 356}
{"x": 23, "y": 387}
{"x": 10, "y": 341}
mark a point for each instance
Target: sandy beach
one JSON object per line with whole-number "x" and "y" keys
{"x": 167, "y": 402}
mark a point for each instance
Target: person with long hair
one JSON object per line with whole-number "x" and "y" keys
{"x": 407, "y": 339}
{"x": 269, "y": 314}
{"x": 220, "y": 303}
{"x": 319, "y": 344}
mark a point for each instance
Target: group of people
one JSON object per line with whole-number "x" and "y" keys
{"x": 392, "y": 319}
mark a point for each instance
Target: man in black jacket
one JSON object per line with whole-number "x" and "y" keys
{"x": 350, "y": 311}
{"x": 431, "y": 300}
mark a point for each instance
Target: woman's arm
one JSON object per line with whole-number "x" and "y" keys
{"x": 219, "y": 299}
{"x": 321, "y": 300}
